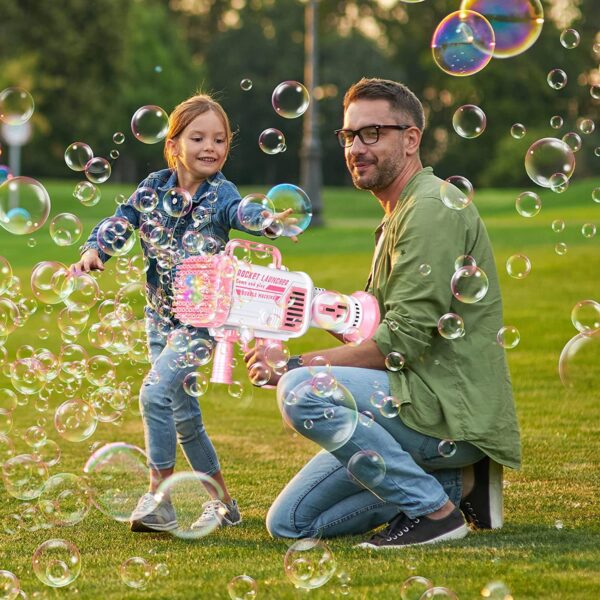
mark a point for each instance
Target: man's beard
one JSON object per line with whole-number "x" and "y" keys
{"x": 384, "y": 175}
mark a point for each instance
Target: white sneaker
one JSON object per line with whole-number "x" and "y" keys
{"x": 149, "y": 515}
{"x": 216, "y": 513}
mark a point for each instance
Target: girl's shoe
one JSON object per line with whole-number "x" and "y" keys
{"x": 150, "y": 516}
{"x": 216, "y": 513}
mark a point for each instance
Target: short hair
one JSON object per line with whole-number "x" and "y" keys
{"x": 185, "y": 112}
{"x": 397, "y": 94}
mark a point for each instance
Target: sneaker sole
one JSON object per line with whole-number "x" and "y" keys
{"x": 496, "y": 495}
{"x": 141, "y": 527}
{"x": 455, "y": 534}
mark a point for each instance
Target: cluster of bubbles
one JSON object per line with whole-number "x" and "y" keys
{"x": 137, "y": 572}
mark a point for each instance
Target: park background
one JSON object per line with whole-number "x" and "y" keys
{"x": 89, "y": 66}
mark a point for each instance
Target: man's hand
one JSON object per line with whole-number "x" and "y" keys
{"x": 89, "y": 261}
{"x": 257, "y": 355}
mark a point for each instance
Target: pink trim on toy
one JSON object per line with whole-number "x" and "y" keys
{"x": 370, "y": 318}
{"x": 222, "y": 360}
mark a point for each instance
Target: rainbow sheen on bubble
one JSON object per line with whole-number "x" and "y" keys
{"x": 546, "y": 157}
{"x": 150, "y": 124}
{"x": 285, "y": 196}
{"x": 290, "y": 99}
{"x": 463, "y": 43}
{"x": 16, "y": 106}
{"x": 469, "y": 121}
{"x": 24, "y": 205}
{"x": 517, "y": 24}
{"x": 309, "y": 564}
{"x": 57, "y": 562}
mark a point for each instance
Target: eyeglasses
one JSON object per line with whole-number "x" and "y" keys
{"x": 368, "y": 135}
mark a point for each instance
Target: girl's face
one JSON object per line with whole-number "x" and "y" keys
{"x": 201, "y": 148}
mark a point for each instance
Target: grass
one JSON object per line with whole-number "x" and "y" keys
{"x": 560, "y": 430}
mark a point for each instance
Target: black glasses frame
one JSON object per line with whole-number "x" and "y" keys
{"x": 346, "y": 142}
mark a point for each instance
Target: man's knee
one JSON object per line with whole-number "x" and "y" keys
{"x": 278, "y": 523}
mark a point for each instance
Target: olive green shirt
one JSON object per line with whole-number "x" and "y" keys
{"x": 456, "y": 389}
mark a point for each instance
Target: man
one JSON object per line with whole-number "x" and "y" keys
{"x": 453, "y": 421}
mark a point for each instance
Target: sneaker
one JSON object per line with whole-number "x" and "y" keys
{"x": 483, "y": 505}
{"x": 404, "y": 531}
{"x": 149, "y": 516}
{"x": 216, "y": 513}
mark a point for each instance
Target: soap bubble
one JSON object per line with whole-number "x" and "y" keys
{"x": 586, "y": 126}
{"x": 255, "y": 212}
{"x": 85, "y": 293}
{"x": 118, "y": 137}
{"x": 118, "y": 476}
{"x": 144, "y": 199}
{"x": 24, "y": 205}
{"x": 414, "y": 587}
{"x": 196, "y": 384}
{"x": 596, "y": 194}
{"x": 456, "y": 192}
{"x": 65, "y": 229}
{"x": 65, "y": 500}
{"x": 9, "y": 314}
{"x": 518, "y": 131}
{"x": 87, "y": 193}
{"x": 57, "y": 563}
{"x": 328, "y": 433}
{"x": 463, "y": 43}
{"x": 290, "y": 99}
{"x": 557, "y": 79}
{"x": 588, "y": 230}
{"x": 559, "y": 183}
{"x": 242, "y": 587}
{"x": 177, "y": 202}
{"x": 560, "y": 248}
{"x": 115, "y": 236}
{"x": 394, "y": 361}
{"x": 98, "y": 170}
{"x": 451, "y": 326}
{"x": 469, "y": 284}
{"x": 48, "y": 453}
{"x": 24, "y": 476}
{"x": 246, "y": 85}
{"x": 10, "y": 587}
{"x": 188, "y": 491}
{"x": 517, "y": 24}
{"x": 75, "y": 420}
{"x": 6, "y": 274}
{"x": 27, "y": 375}
{"x": 469, "y": 121}
{"x": 508, "y": 337}
{"x": 556, "y": 122}
{"x": 8, "y": 402}
{"x": 585, "y": 317}
{"x": 447, "y": 448}
{"x": 518, "y": 266}
{"x": 16, "y": 106}
{"x": 546, "y": 157}
{"x": 286, "y": 195}
{"x": 496, "y": 590}
{"x": 367, "y": 467}
{"x": 271, "y": 141}
{"x": 439, "y": 592}
{"x": 573, "y": 140}
{"x": 425, "y": 270}
{"x": 77, "y": 156}
{"x": 570, "y": 38}
{"x": 578, "y": 363}
{"x": 135, "y": 572}
{"x": 150, "y": 124}
{"x": 309, "y": 564}
{"x": 528, "y": 204}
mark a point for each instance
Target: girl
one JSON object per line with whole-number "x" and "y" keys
{"x": 196, "y": 147}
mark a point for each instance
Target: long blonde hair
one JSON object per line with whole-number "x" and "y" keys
{"x": 184, "y": 113}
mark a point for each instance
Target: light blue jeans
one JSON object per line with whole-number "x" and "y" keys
{"x": 323, "y": 499}
{"x": 169, "y": 414}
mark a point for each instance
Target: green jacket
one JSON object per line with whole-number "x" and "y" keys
{"x": 452, "y": 389}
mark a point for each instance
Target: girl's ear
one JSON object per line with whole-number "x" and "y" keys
{"x": 173, "y": 147}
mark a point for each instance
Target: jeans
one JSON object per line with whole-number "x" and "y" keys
{"x": 323, "y": 499}
{"x": 169, "y": 414}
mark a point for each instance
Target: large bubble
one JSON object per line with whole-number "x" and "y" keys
{"x": 469, "y": 121}
{"x": 547, "y": 157}
{"x": 51, "y": 282}
{"x": 469, "y": 284}
{"x": 115, "y": 236}
{"x": 24, "y": 205}
{"x": 255, "y": 212}
{"x": 329, "y": 423}
{"x": 585, "y": 316}
{"x": 177, "y": 202}
{"x": 367, "y": 467}
{"x": 463, "y": 43}
{"x": 65, "y": 500}
{"x": 309, "y": 564}
{"x": 271, "y": 141}
{"x": 517, "y": 24}
{"x": 150, "y": 124}
{"x": 188, "y": 492}
{"x": 65, "y": 229}
{"x": 98, "y": 170}
{"x": 16, "y": 106}
{"x": 10, "y": 586}
{"x": 77, "y": 156}
{"x": 118, "y": 476}
{"x": 286, "y": 195}
{"x": 57, "y": 563}
{"x": 75, "y": 420}
{"x": 579, "y": 364}
{"x": 24, "y": 476}
{"x": 290, "y": 99}
{"x": 145, "y": 199}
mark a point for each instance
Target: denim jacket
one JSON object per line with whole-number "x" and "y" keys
{"x": 216, "y": 201}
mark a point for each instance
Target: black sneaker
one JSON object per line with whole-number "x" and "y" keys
{"x": 483, "y": 505}
{"x": 403, "y": 531}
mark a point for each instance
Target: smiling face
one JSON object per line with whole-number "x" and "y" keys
{"x": 201, "y": 148}
{"x": 375, "y": 166}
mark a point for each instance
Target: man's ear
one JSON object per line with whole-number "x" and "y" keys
{"x": 412, "y": 140}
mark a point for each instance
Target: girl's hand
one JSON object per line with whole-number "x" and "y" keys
{"x": 89, "y": 261}
{"x": 282, "y": 216}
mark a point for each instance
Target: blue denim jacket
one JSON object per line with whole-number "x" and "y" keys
{"x": 218, "y": 199}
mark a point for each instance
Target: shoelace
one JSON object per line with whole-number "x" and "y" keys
{"x": 147, "y": 504}
{"x": 397, "y": 527}
{"x": 212, "y": 509}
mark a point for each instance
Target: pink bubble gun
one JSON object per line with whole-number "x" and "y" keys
{"x": 238, "y": 301}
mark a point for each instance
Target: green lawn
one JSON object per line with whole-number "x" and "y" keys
{"x": 560, "y": 430}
